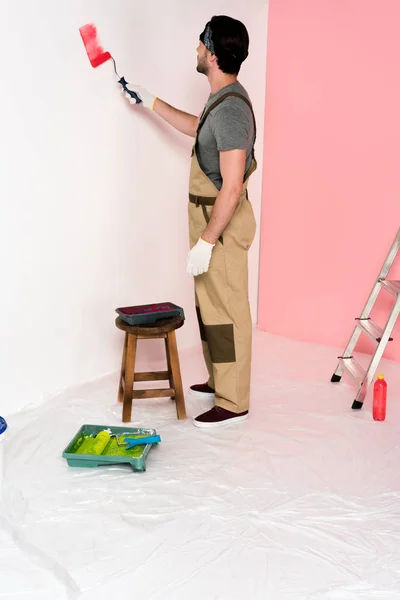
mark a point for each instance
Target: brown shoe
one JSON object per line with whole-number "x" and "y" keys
{"x": 218, "y": 417}
{"x": 202, "y": 391}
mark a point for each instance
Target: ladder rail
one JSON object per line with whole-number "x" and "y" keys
{"x": 346, "y": 361}
{"x": 383, "y": 273}
{"x": 390, "y": 257}
{"x": 385, "y": 338}
{"x": 376, "y": 358}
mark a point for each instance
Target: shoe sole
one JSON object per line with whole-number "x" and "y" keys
{"x": 202, "y": 395}
{"x": 216, "y": 424}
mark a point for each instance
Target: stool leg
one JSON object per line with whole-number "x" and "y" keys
{"x": 171, "y": 379}
{"x": 123, "y": 369}
{"x": 129, "y": 377}
{"x": 176, "y": 375}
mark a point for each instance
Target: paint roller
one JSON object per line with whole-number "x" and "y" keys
{"x": 98, "y": 56}
{"x": 95, "y": 445}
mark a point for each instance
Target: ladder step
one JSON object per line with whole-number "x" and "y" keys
{"x": 354, "y": 368}
{"x": 371, "y": 329}
{"x": 393, "y": 287}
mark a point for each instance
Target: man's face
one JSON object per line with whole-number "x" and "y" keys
{"x": 202, "y": 59}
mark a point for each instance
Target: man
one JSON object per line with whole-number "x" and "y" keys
{"x": 221, "y": 220}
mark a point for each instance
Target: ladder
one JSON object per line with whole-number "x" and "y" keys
{"x": 365, "y": 325}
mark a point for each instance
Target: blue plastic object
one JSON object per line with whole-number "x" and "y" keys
{"x": 150, "y": 439}
{"x": 3, "y": 425}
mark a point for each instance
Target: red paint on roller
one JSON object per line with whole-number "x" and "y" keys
{"x": 95, "y": 52}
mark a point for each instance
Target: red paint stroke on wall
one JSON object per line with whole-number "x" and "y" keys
{"x": 95, "y": 52}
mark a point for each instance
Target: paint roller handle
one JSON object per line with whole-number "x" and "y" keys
{"x": 150, "y": 439}
{"x": 139, "y": 95}
{"x": 131, "y": 93}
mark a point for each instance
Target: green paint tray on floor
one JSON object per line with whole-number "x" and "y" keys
{"x": 78, "y": 454}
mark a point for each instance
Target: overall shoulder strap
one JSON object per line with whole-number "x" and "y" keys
{"x": 217, "y": 102}
{"x": 221, "y": 99}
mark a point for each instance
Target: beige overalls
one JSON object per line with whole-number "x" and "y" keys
{"x": 222, "y": 302}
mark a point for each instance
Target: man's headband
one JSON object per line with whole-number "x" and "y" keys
{"x": 206, "y": 38}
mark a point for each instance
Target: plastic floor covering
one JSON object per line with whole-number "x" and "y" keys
{"x": 300, "y": 502}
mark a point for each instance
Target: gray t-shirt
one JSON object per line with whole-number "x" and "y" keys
{"x": 229, "y": 126}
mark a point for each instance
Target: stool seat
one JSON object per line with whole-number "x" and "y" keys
{"x": 152, "y": 329}
{"x": 164, "y": 329}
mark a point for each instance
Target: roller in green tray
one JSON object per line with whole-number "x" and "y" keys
{"x": 94, "y": 445}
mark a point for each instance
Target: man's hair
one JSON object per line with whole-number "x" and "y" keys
{"x": 231, "y": 43}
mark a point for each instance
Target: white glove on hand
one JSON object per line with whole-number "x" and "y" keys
{"x": 199, "y": 258}
{"x": 146, "y": 97}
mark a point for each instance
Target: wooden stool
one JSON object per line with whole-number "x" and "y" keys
{"x": 162, "y": 329}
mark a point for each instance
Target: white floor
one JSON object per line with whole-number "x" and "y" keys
{"x": 301, "y": 502}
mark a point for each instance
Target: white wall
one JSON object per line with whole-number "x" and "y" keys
{"x": 94, "y": 192}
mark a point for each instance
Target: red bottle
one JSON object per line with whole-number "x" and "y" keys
{"x": 379, "y": 403}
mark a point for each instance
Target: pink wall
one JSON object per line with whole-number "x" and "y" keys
{"x": 331, "y": 191}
